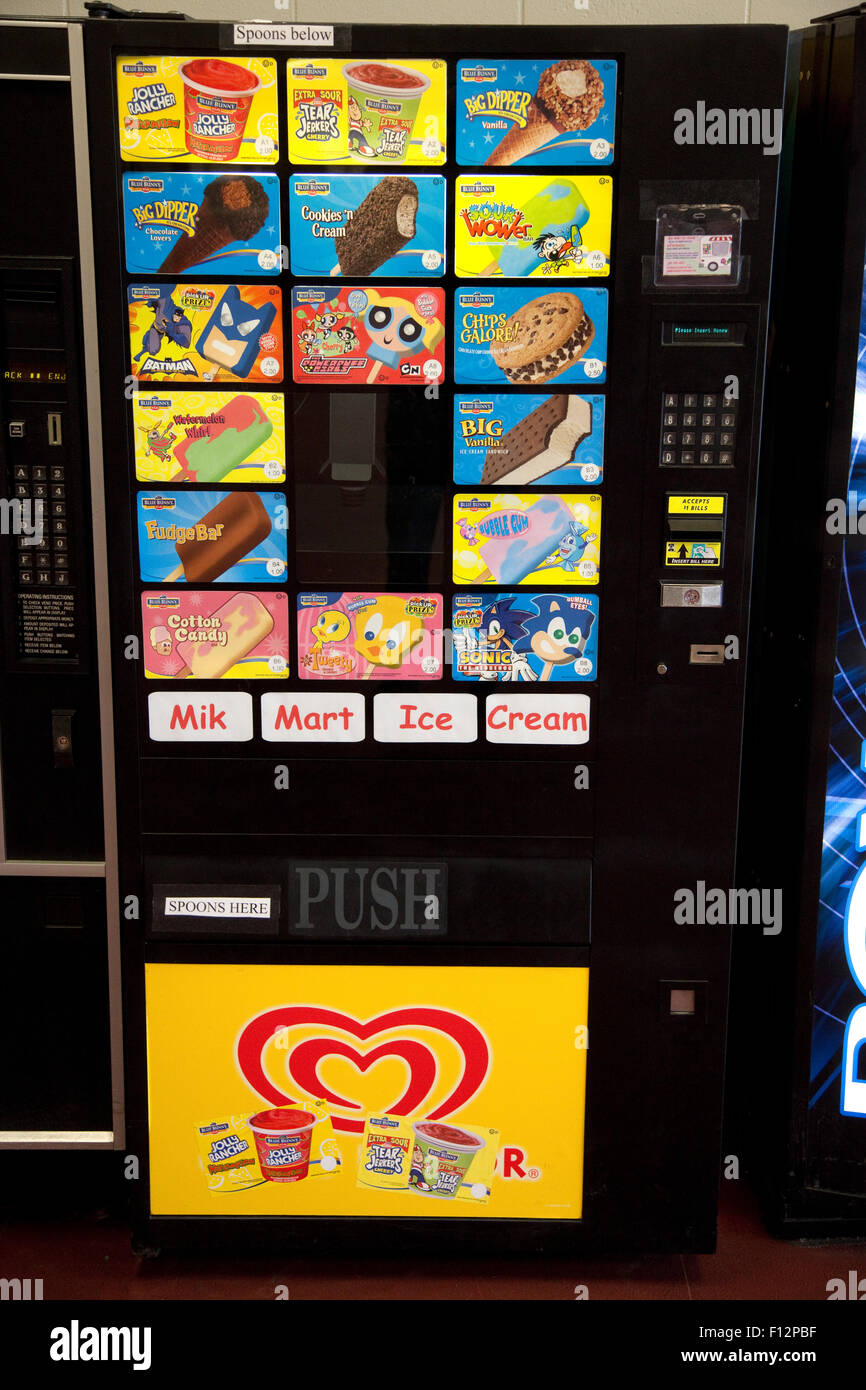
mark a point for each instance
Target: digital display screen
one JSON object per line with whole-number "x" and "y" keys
{"x": 702, "y": 334}
{"x": 34, "y": 372}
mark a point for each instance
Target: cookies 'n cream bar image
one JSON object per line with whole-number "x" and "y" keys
{"x": 555, "y": 112}
{"x": 545, "y": 539}
{"x": 362, "y": 224}
{"x": 514, "y": 335}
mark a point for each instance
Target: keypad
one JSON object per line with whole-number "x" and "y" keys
{"x": 48, "y": 562}
{"x": 699, "y": 430}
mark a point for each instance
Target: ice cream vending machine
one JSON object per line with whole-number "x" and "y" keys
{"x": 428, "y": 616}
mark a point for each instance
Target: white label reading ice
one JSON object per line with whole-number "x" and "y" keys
{"x": 304, "y": 35}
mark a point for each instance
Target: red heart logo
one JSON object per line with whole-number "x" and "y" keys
{"x": 303, "y": 1060}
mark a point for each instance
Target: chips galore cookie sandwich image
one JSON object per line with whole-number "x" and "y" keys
{"x": 569, "y": 97}
{"x": 543, "y": 338}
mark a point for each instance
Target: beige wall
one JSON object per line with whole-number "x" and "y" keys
{"x": 794, "y": 13}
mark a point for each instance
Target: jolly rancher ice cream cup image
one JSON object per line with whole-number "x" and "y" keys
{"x": 441, "y": 1157}
{"x": 283, "y": 1140}
{"x": 217, "y": 97}
{"x": 383, "y": 104}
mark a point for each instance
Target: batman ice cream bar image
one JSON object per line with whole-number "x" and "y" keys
{"x": 190, "y": 332}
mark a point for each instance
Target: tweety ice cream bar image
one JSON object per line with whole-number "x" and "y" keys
{"x": 364, "y": 636}
{"x": 390, "y": 335}
{"x": 530, "y": 225}
{"x": 542, "y": 539}
{"x": 199, "y": 332}
{"x": 213, "y": 636}
{"x": 554, "y": 112}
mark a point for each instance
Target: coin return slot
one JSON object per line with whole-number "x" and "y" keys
{"x": 682, "y": 1002}
{"x": 706, "y": 654}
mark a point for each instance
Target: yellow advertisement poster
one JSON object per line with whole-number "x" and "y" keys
{"x": 366, "y": 1090}
{"x": 379, "y": 112}
{"x": 539, "y": 538}
{"x": 542, "y": 226}
{"x": 193, "y": 110}
{"x": 209, "y": 437}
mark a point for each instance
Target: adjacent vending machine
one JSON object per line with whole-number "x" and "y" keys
{"x": 804, "y": 992}
{"x": 431, "y": 366}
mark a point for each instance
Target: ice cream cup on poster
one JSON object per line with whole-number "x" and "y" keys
{"x": 383, "y": 102}
{"x": 283, "y": 1141}
{"x": 441, "y": 1157}
{"x": 216, "y": 97}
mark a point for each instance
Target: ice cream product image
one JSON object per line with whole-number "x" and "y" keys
{"x": 283, "y": 1138}
{"x": 545, "y": 539}
{"x": 357, "y": 225}
{"x": 393, "y": 334}
{"x": 209, "y": 437}
{"x": 200, "y": 635}
{"x": 236, "y": 537}
{"x": 198, "y": 109}
{"x": 370, "y": 111}
{"x": 442, "y": 1158}
{"x": 525, "y": 637}
{"x": 509, "y": 334}
{"x": 383, "y": 102}
{"x": 363, "y": 636}
{"x": 233, "y": 208}
{"x": 195, "y": 332}
{"x": 509, "y": 440}
{"x": 510, "y": 111}
{"x": 522, "y": 225}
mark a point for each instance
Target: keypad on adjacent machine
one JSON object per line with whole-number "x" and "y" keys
{"x": 698, "y": 430}
{"x": 48, "y": 561}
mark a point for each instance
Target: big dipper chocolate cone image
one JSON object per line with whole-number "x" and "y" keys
{"x": 380, "y": 227}
{"x": 233, "y": 208}
{"x": 569, "y": 97}
{"x": 544, "y": 337}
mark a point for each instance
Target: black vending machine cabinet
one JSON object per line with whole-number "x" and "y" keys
{"x": 802, "y": 991}
{"x": 57, "y": 839}
{"x": 432, "y": 364}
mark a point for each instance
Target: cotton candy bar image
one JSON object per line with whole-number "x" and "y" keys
{"x": 239, "y": 626}
{"x": 232, "y": 434}
{"x": 229, "y": 531}
{"x": 511, "y": 556}
{"x": 380, "y": 227}
{"x": 547, "y": 439}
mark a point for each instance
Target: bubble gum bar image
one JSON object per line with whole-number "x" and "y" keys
{"x": 224, "y": 446}
{"x": 510, "y": 558}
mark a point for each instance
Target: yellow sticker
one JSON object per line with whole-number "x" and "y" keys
{"x": 694, "y": 504}
{"x": 693, "y": 553}
{"x": 427, "y": 1101}
{"x": 198, "y": 110}
{"x": 209, "y": 437}
{"x": 375, "y": 111}
{"x": 522, "y": 225}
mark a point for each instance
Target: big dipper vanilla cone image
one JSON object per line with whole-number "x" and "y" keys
{"x": 233, "y": 208}
{"x": 570, "y": 96}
